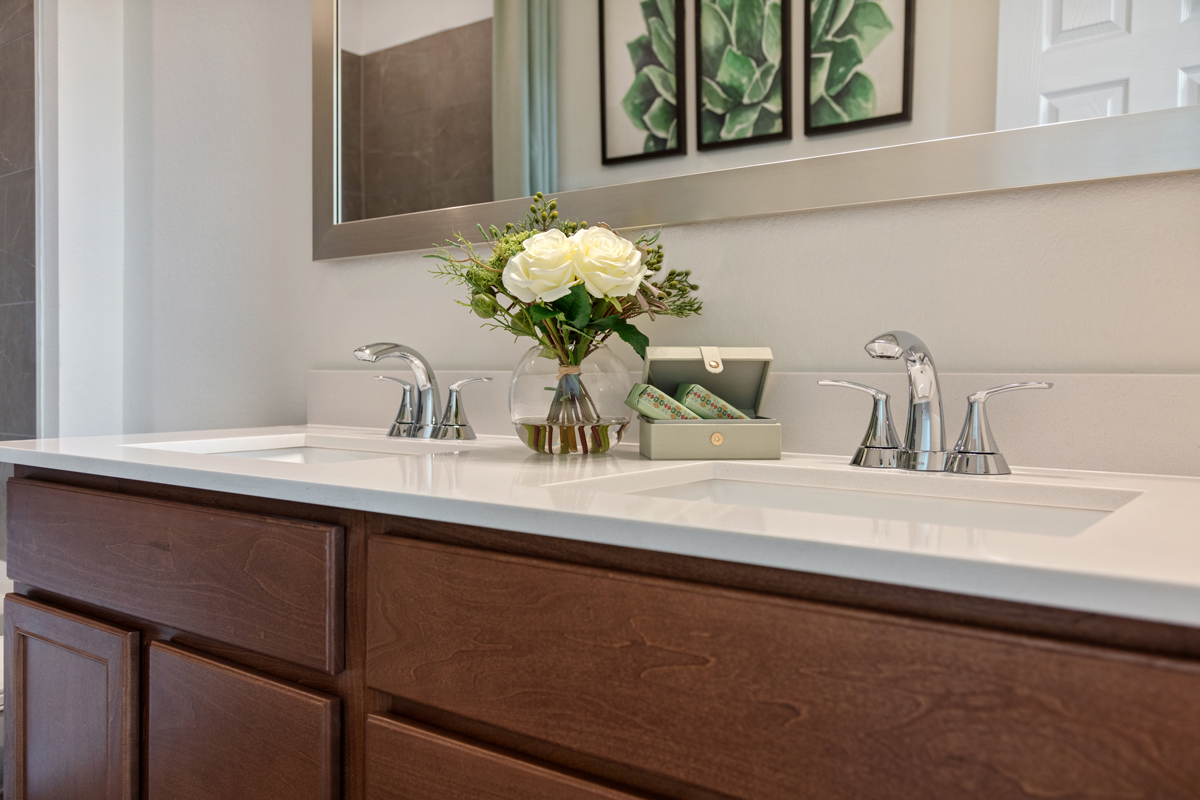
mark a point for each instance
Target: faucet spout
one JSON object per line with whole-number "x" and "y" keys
{"x": 425, "y": 413}
{"x": 925, "y": 432}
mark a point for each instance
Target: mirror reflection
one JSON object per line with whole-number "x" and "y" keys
{"x": 466, "y": 101}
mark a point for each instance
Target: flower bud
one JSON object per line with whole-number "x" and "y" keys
{"x": 484, "y": 305}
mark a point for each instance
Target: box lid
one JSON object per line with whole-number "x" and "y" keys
{"x": 737, "y": 375}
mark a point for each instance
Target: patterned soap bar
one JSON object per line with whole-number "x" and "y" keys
{"x": 705, "y": 404}
{"x": 650, "y": 402}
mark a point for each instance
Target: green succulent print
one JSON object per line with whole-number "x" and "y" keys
{"x": 650, "y": 102}
{"x": 844, "y": 32}
{"x": 741, "y": 79}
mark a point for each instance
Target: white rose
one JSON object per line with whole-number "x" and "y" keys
{"x": 544, "y": 270}
{"x": 609, "y": 265}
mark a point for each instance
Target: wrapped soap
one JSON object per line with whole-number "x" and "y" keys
{"x": 705, "y": 404}
{"x": 653, "y": 404}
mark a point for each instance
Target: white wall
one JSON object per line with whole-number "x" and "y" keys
{"x": 367, "y": 26}
{"x": 954, "y": 93}
{"x": 226, "y": 310}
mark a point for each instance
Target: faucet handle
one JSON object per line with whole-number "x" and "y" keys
{"x": 880, "y": 446}
{"x": 454, "y": 423}
{"x": 405, "y": 416}
{"x": 976, "y": 452}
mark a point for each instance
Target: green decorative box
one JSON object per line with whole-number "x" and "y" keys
{"x": 738, "y": 375}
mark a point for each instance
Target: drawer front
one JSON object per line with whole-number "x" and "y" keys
{"x": 269, "y": 585}
{"x": 217, "y": 731}
{"x": 758, "y": 697}
{"x": 409, "y": 762}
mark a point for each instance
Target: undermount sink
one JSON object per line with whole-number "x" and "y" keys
{"x": 312, "y": 448}
{"x": 888, "y": 497}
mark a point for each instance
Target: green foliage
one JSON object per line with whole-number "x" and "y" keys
{"x": 844, "y": 32}
{"x": 741, "y": 50}
{"x": 651, "y": 101}
{"x": 573, "y": 326}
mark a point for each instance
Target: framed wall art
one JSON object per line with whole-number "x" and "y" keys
{"x": 858, "y": 57}
{"x": 642, "y": 80}
{"x": 743, "y": 72}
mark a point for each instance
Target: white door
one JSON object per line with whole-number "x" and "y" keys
{"x": 1063, "y": 60}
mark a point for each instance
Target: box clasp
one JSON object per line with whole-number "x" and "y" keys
{"x": 712, "y": 359}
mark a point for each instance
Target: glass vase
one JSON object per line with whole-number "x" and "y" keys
{"x": 563, "y": 409}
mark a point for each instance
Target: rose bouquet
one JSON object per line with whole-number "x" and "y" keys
{"x": 570, "y": 288}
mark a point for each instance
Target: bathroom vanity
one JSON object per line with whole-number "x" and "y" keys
{"x": 403, "y": 619}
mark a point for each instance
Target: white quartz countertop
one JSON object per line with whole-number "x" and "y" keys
{"x": 1109, "y": 543}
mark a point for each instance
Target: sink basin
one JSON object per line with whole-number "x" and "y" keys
{"x": 312, "y": 448}
{"x": 889, "y": 498}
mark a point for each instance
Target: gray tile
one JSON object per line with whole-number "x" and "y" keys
{"x": 466, "y": 75}
{"x": 352, "y": 206}
{"x": 16, "y": 105}
{"x": 398, "y": 81}
{"x": 16, "y": 19}
{"x": 352, "y": 66}
{"x": 398, "y": 153}
{"x": 463, "y": 191}
{"x": 17, "y": 238}
{"x": 404, "y": 200}
{"x": 18, "y": 365}
{"x": 462, "y": 141}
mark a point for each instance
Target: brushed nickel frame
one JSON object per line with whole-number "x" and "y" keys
{"x": 1148, "y": 143}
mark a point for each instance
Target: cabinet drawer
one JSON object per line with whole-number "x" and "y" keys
{"x": 753, "y": 696}
{"x": 409, "y": 762}
{"x": 273, "y": 586}
{"x": 217, "y": 731}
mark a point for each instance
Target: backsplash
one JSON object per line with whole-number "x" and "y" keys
{"x": 1086, "y": 422}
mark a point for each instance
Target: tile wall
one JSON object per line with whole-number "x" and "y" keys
{"x": 18, "y": 392}
{"x": 424, "y": 115}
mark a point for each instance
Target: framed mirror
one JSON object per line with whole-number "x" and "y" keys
{"x": 434, "y": 117}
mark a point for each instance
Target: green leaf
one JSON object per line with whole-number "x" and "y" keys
{"x": 673, "y": 138}
{"x": 772, "y": 36}
{"x": 641, "y": 53}
{"x": 748, "y": 28}
{"x": 841, "y": 10}
{"x": 653, "y": 144}
{"x": 576, "y": 306}
{"x": 868, "y": 24}
{"x": 726, "y": 7}
{"x": 664, "y": 82}
{"x": 774, "y": 99}
{"x": 650, "y": 10}
{"x": 663, "y": 41}
{"x": 857, "y": 99}
{"x": 739, "y": 123}
{"x": 637, "y": 101}
{"x": 824, "y": 112}
{"x": 821, "y": 11}
{"x": 768, "y": 123}
{"x": 844, "y": 60}
{"x": 660, "y": 117}
{"x": 715, "y": 100}
{"x": 714, "y": 38}
{"x": 818, "y": 73}
{"x": 540, "y": 313}
{"x": 628, "y": 333}
{"x": 666, "y": 10}
{"x": 710, "y": 126}
{"x": 735, "y": 73}
{"x": 761, "y": 84}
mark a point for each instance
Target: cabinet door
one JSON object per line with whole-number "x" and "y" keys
{"x": 218, "y": 731}
{"x": 409, "y": 762}
{"x": 71, "y": 685}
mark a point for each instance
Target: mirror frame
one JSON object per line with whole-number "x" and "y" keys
{"x": 1148, "y": 143}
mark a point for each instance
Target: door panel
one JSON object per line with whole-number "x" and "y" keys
{"x": 71, "y": 685}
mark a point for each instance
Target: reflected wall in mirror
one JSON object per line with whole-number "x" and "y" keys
{"x": 461, "y": 102}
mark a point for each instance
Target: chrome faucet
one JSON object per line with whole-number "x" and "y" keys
{"x": 924, "y": 447}
{"x": 428, "y": 400}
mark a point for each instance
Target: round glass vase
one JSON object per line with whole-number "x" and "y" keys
{"x": 562, "y": 410}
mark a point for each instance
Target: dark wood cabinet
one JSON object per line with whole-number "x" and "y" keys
{"x": 218, "y": 732}
{"x": 71, "y": 717}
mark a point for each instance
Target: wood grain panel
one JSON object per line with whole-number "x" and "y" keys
{"x": 410, "y": 762}
{"x": 757, "y": 697}
{"x": 71, "y": 722}
{"x": 216, "y": 731}
{"x": 270, "y": 585}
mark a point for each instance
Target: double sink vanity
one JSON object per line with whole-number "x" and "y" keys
{"x": 332, "y": 612}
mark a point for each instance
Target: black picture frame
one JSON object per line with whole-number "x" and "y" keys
{"x": 905, "y": 114}
{"x": 785, "y": 72}
{"x": 680, "y": 94}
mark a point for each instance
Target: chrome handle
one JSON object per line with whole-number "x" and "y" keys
{"x": 976, "y": 452}
{"x": 880, "y": 446}
{"x": 454, "y": 423}
{"x": 405, "y": 417}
